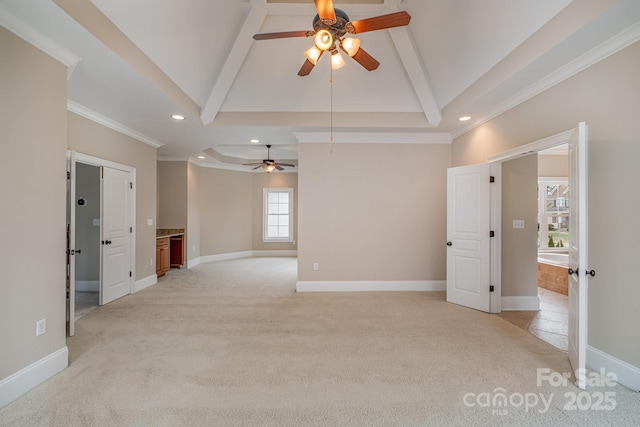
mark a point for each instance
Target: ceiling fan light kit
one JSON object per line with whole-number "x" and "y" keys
{"x": 269, "y": 165}
{"x": 330, "y": 26}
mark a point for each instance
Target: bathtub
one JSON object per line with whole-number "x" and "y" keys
{"x": 552, "y": 271}
{"x": 554, "y": 258}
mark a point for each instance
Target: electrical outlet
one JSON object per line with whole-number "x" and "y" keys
{"x": 315, "y": 266}
{"x": 41, "y": 327}
{"x": 150, "y": 221}
{"x": 518, "y": 223}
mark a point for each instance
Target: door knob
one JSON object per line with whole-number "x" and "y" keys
{"x": 449, "y": 244}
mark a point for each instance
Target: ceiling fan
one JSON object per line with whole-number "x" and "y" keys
{"x": 330, "y": 26}
{"x": 269, "y": 165}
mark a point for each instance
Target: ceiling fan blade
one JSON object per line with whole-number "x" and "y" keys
{"x": 326, "y": 12}
{"x": 308, "y": 66}
{"x": 257, "y": 167}
{"x": 397, "y": 19}
{"x": 283, "y": 35}
{"x": 280, "y": 168}
{"x": 251, "y": 164}
{"x": 287, "y": 164}
{"x": 366, "y": 60}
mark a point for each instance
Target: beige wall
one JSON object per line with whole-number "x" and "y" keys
{"x": 273, "y": 180}
{"x": 226, "y": 211}
{"x": 605, "y": 96}
{"x": 556, "y": 166}
{"x": 33, "y": 139}
{"x": 172, "y": 185}
{"x": 519, "y": 245}
{"x": 372, "y": 212}
{"x": 193, "y": 211}
{"x": 90, "y": 138}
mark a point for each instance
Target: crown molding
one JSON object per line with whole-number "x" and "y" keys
{"x": 375, "y": 137}
{"x": 87, "y": 113}
{"x": 36, "y": 39}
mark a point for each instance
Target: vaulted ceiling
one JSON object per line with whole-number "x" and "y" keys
{"x": 134, "y": 63}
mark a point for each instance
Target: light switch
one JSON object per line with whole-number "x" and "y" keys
{"x": 150, "y": 221}
{"x": 518, "y": 223}
{"x": 96, "y": 221}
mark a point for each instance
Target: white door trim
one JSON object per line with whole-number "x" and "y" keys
{"x": 96, "y": 161}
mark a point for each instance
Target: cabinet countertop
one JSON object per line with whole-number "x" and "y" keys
{"x": 169, "y": 232}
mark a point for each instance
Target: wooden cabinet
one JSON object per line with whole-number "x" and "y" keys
{"x": 176, "y": 244}
{"x": 163, "y": 256}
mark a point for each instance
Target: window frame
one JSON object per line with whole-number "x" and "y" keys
{"x": 265, "y": 215}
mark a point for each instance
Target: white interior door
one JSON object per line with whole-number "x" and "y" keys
{"x": 71, "y": 239}
{"x": 116, "y": 235}
{"x": 468, "y": 228}
{"x": 578, "y": 252}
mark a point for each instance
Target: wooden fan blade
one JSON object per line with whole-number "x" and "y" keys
{"x": 308, "y": 66}
{"x": 257, "y": 167}
{"x": 397, "y": 19}
{"x": 283, "y": 35}
{"x": 366, "y": 60}
{"x": 280, "y": 168}
{"x": 287, "y": 164}
{"x": 326, "y": 11}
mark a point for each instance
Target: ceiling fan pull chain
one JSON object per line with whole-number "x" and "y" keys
{"x": 331, "y": 109}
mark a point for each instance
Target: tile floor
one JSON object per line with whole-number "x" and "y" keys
{"x": 85, "y": 302}
{"x": 550, "y": 324}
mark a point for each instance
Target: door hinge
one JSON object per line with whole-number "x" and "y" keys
{"x": 68, "y": 175}
{"x": 492, "y": 179}
{"x": 131, "y": 185}
{"x": 129, "y": 274}
{"x": 491, "y": 288}
{"x": 130, "y": 229}
{"x": 492, "y": 233}
{"x": 102, "y": 172}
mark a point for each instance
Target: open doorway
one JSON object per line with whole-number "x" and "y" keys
{"x": 87, "y": 239}
{"x": 100, "y": 234}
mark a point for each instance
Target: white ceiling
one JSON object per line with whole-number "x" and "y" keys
{"x": 134, "y": 63}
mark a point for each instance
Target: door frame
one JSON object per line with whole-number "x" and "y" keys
{"x": 96, "y": 161}
{"x": 496, "y": 202}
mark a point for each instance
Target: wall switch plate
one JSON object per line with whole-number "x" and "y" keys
{"x": 315, "y": 266}
{"x": 518, "y": 223}
{"x": 150, "y": 221}
{"x": 96, "y": 221}
{"x": 41, "y": 327}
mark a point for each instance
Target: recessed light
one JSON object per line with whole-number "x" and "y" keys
{"x": 464, "y": 118}
{"x": 177, "y": 117}
{"x": 255, "y": 141}
{"x": 201, "y": 157}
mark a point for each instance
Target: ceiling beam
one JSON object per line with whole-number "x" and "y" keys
{"x": 417, "y": 74}
{"x": 251, "y": 25}
{"x": 93, "y": 20}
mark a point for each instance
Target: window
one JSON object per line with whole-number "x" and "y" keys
{"x": 553, "y": 214}
{"x": 277, "y": 215}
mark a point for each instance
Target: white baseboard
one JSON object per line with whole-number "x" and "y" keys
{"x": 87, "y": 286}
{"x": 225, "y": 257}
{"x": 27, "y": 378}
{"x": 237, "y": 255}
{"x": 369, "y": 286}
{"x": 520, "y": 303}
{"x": 145, "y": 283}
{"x": 283, "y": 253}
{"x": 628, "y": 375}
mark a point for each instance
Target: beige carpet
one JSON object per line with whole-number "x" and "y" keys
{"x": 231, "y": 343}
